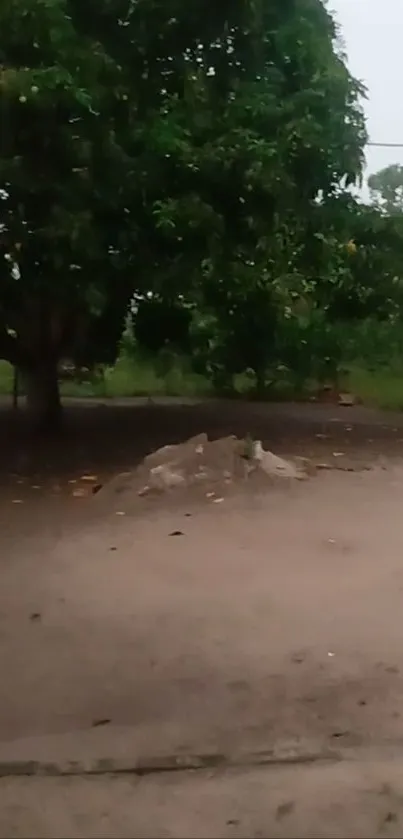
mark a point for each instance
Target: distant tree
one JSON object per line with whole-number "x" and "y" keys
{"x": 386, "y": 189}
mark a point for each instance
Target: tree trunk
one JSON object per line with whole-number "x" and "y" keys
{"x": 16, "y": 387}
{"x": 260, "y": 382}
{"x": 43, "y": 396}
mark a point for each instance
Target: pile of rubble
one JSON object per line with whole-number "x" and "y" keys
{"x": 211, "y": 467}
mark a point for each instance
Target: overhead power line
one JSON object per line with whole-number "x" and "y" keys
{"x": 386, "y": 145}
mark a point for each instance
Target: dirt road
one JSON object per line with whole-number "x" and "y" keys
{"x": 358, "y": 798}
{"x": 269, "y": 623}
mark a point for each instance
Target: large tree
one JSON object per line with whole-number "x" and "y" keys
{"x": 165, "y": 146}
{"x": 269, "y": 131}
{"x": 60, "y": 175}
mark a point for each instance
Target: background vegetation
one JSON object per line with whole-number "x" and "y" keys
{"x": 176, "y": 213}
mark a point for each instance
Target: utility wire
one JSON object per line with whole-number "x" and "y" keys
{"x": 386, "y": 145}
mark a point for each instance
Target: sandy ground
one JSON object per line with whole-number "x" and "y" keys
{"x": 358, "y": 799}
{"x": 271, "y": 623}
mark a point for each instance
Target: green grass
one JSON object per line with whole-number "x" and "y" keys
{"x": 6, "y": 378}
{"x": 382, "y": 387}
{"x": 127, "y": 378}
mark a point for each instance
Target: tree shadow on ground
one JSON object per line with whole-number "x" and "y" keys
{"x": 105, "y": 439}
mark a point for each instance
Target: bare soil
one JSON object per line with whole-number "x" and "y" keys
{"x": 359, "y": 799}
{"x": 268, "y": 622}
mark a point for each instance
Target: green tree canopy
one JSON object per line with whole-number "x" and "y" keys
{"x": 165, "y": 146}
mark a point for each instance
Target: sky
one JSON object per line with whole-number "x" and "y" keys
{"x": 372, "y": 33}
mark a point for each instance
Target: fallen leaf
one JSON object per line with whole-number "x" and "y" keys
{"x": 298, "y": 658}
{"x": 390, "y": 818}
{"x": 284, "y": 810}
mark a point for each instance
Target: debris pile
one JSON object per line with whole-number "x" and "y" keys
{"x": 211, "y": 467}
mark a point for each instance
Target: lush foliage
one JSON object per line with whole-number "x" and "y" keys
{"x": 194, "y": 158}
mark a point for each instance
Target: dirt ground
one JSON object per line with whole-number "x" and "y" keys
{"x": 268, "y": 625}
